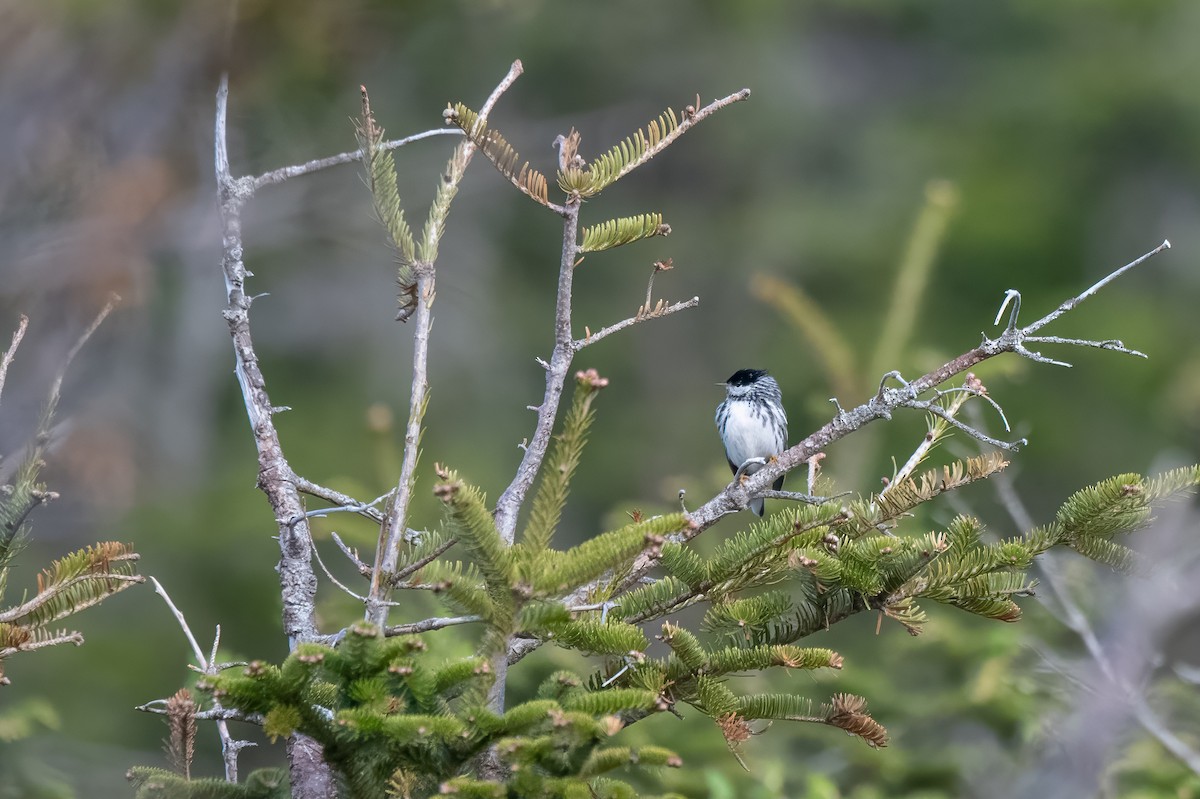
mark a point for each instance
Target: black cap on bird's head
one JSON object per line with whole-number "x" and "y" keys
{"x": 745, "y": 377}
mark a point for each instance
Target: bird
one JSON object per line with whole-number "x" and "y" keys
{"x": 752, "y": 423}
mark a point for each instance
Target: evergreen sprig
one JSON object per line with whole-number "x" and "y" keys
{"x": 590, "y": 179}
{"x": 563, "y": 572}
{"x": 380, "y": 177}
{"x": 496, "y": 149}
{"x": 560, "y": 467}
{"x": 624, "y": 230}
{"x": 77, "y": 581}
{"x": 471, "y": 523}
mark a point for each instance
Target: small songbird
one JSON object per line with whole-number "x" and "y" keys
{"x": 752, "y": 423}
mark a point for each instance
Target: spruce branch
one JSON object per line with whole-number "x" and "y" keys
{"x": 1071, "y": 615}
{"x": 501, "y": 154}
{"x": 624, "y": 230}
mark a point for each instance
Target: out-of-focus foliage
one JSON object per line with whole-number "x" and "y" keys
{"x": 1068, "y": 129}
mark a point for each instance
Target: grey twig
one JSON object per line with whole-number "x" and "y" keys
{"x": 11, "y": 352}
{"x": 298, "y": 583}
{"x": 796, "y": 496}
{"x": 937, "y": 410}
{"x": 229, "y": 746}
{"x": 428, "y": 625}
{"x": 345, "y": 502}
{"x": 420, "y": 563}
{"x": 1092, "y": 290}
{"x": 277, "y": 176}
{"x": 592, "y": 338}
{"x": 345, "y": 589}
{"x": 1115, "y": 345}
{"x": 509, "y": 504}
{"x": 56, "y": 386}
{"x": 351, "y": 555}
{"x": 220, "y": 714}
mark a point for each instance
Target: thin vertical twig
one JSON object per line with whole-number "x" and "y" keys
{"x": 509, "y": 504}
{"x": 395, "y": 523}
{"x": 229, "y": 745}
{"x": 11, "y": 352}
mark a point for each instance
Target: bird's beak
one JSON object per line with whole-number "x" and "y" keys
{"x": 720, "y": 384}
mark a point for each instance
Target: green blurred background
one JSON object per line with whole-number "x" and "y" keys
{"x": 1069, "y": 133}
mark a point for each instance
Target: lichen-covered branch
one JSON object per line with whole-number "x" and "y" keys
{"x": 310, "y": 776}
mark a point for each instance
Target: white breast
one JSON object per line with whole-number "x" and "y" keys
{"x": 748, "y": 436}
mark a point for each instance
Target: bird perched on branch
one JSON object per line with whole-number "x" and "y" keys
{"x": 752, "y": 424}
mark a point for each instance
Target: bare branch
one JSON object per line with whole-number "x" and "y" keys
{"x": 1115, "y": 345}
{"x": 588, "y": 340}
{"x": 212, "y": 714}
{"x": 514, "y": 72}
{"x": 351, "y": 555}
{"x": 345, "y": 502}
{"x": 1092, "y": 290}
{"x": 56, "y": 386}
{"x": 420, "y": 563}
{"x": 11, "y": 352}
{"x": 428, "y": 625}
{"x": 937, "y": 410}
{"x": 277, "y": 176}
{"x": 298, "y": 583}
{"x": 333, "y": 579}
{"x": 229, "y": 746}
{"x": 796, "y": 496}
